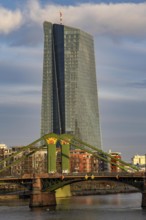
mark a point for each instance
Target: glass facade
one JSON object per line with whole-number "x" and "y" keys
{"x": 69, "y": 96}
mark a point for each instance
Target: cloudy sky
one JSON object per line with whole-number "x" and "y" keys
{"x": 119, "y": 30}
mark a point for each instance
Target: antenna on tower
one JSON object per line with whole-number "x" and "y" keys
{"x": 60, "y": 17}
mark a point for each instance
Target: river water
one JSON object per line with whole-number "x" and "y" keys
{"x": 99, "y": 207}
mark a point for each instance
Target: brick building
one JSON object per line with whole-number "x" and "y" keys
{"x": 81, "y": 161}
{"x": 114, "y": 167}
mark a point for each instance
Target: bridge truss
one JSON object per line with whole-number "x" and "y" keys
{"x": 51, "y": 180}
{"x": 50, "y": 140}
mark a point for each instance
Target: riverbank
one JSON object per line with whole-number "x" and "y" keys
{"x": 101, "y": 188}
{"x": 81, "y": 189}
{"x": 103, "y": 192}
{"x": 9, "y": 197}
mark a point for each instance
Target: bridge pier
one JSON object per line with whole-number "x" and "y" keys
{"x": 143, "y": 205}
{"x": 65, "y": 152}
{"x": 39, "y": 198}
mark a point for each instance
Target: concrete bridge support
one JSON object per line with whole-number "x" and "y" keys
{"x": 143, "y": 205}
{"x": 51, "y": 153}
{"x": 65, "y": 152}
{"x": 39, "y": 198}
{"x": 143, "y": 200}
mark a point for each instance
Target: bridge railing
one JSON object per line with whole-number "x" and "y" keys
{"x": 101, "y": 174}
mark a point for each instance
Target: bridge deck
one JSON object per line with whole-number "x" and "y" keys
{"x": 76, "y": 175}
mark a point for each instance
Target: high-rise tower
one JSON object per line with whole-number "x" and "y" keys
{"x": 69, "y": 95}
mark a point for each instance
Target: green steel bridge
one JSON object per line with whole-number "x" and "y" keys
{"x": 43, "y": 185}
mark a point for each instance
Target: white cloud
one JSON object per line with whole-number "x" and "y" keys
{"x": 20, "y": 94}
{"x": 38, "y": 14}
{"x": 121, "y": 95}
{"x": 9, "y": 20}
{"x": 115, "y": 19}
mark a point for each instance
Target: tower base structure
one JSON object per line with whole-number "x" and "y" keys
{"x": 143, "y": 204}
{"x": 42, "y": 199}
{"x": 39, "y": 198}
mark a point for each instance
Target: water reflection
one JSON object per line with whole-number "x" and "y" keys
{"x": 101, "y": 201}
{"x": 100, "y": 207}
{"x": 47, "y": 208}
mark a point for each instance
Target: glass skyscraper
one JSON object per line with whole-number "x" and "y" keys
{"x": 69, "y": 94}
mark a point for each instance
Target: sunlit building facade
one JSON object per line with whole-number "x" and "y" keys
{"x": 69, "y": 92}
{"x": 114, "y": 163}
{"x": 139, "y": 160}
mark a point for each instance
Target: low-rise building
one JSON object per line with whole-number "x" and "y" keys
{"x": 139, "y": 160}
{"x": 114, "y": 163}
{"x": 81, "y": 161}
{"x": 5, "y": 152}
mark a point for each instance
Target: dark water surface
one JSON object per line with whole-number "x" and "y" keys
{"x": 100, "y": 207}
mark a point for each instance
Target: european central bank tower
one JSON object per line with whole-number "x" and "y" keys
{"x": 69, "y": 94}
